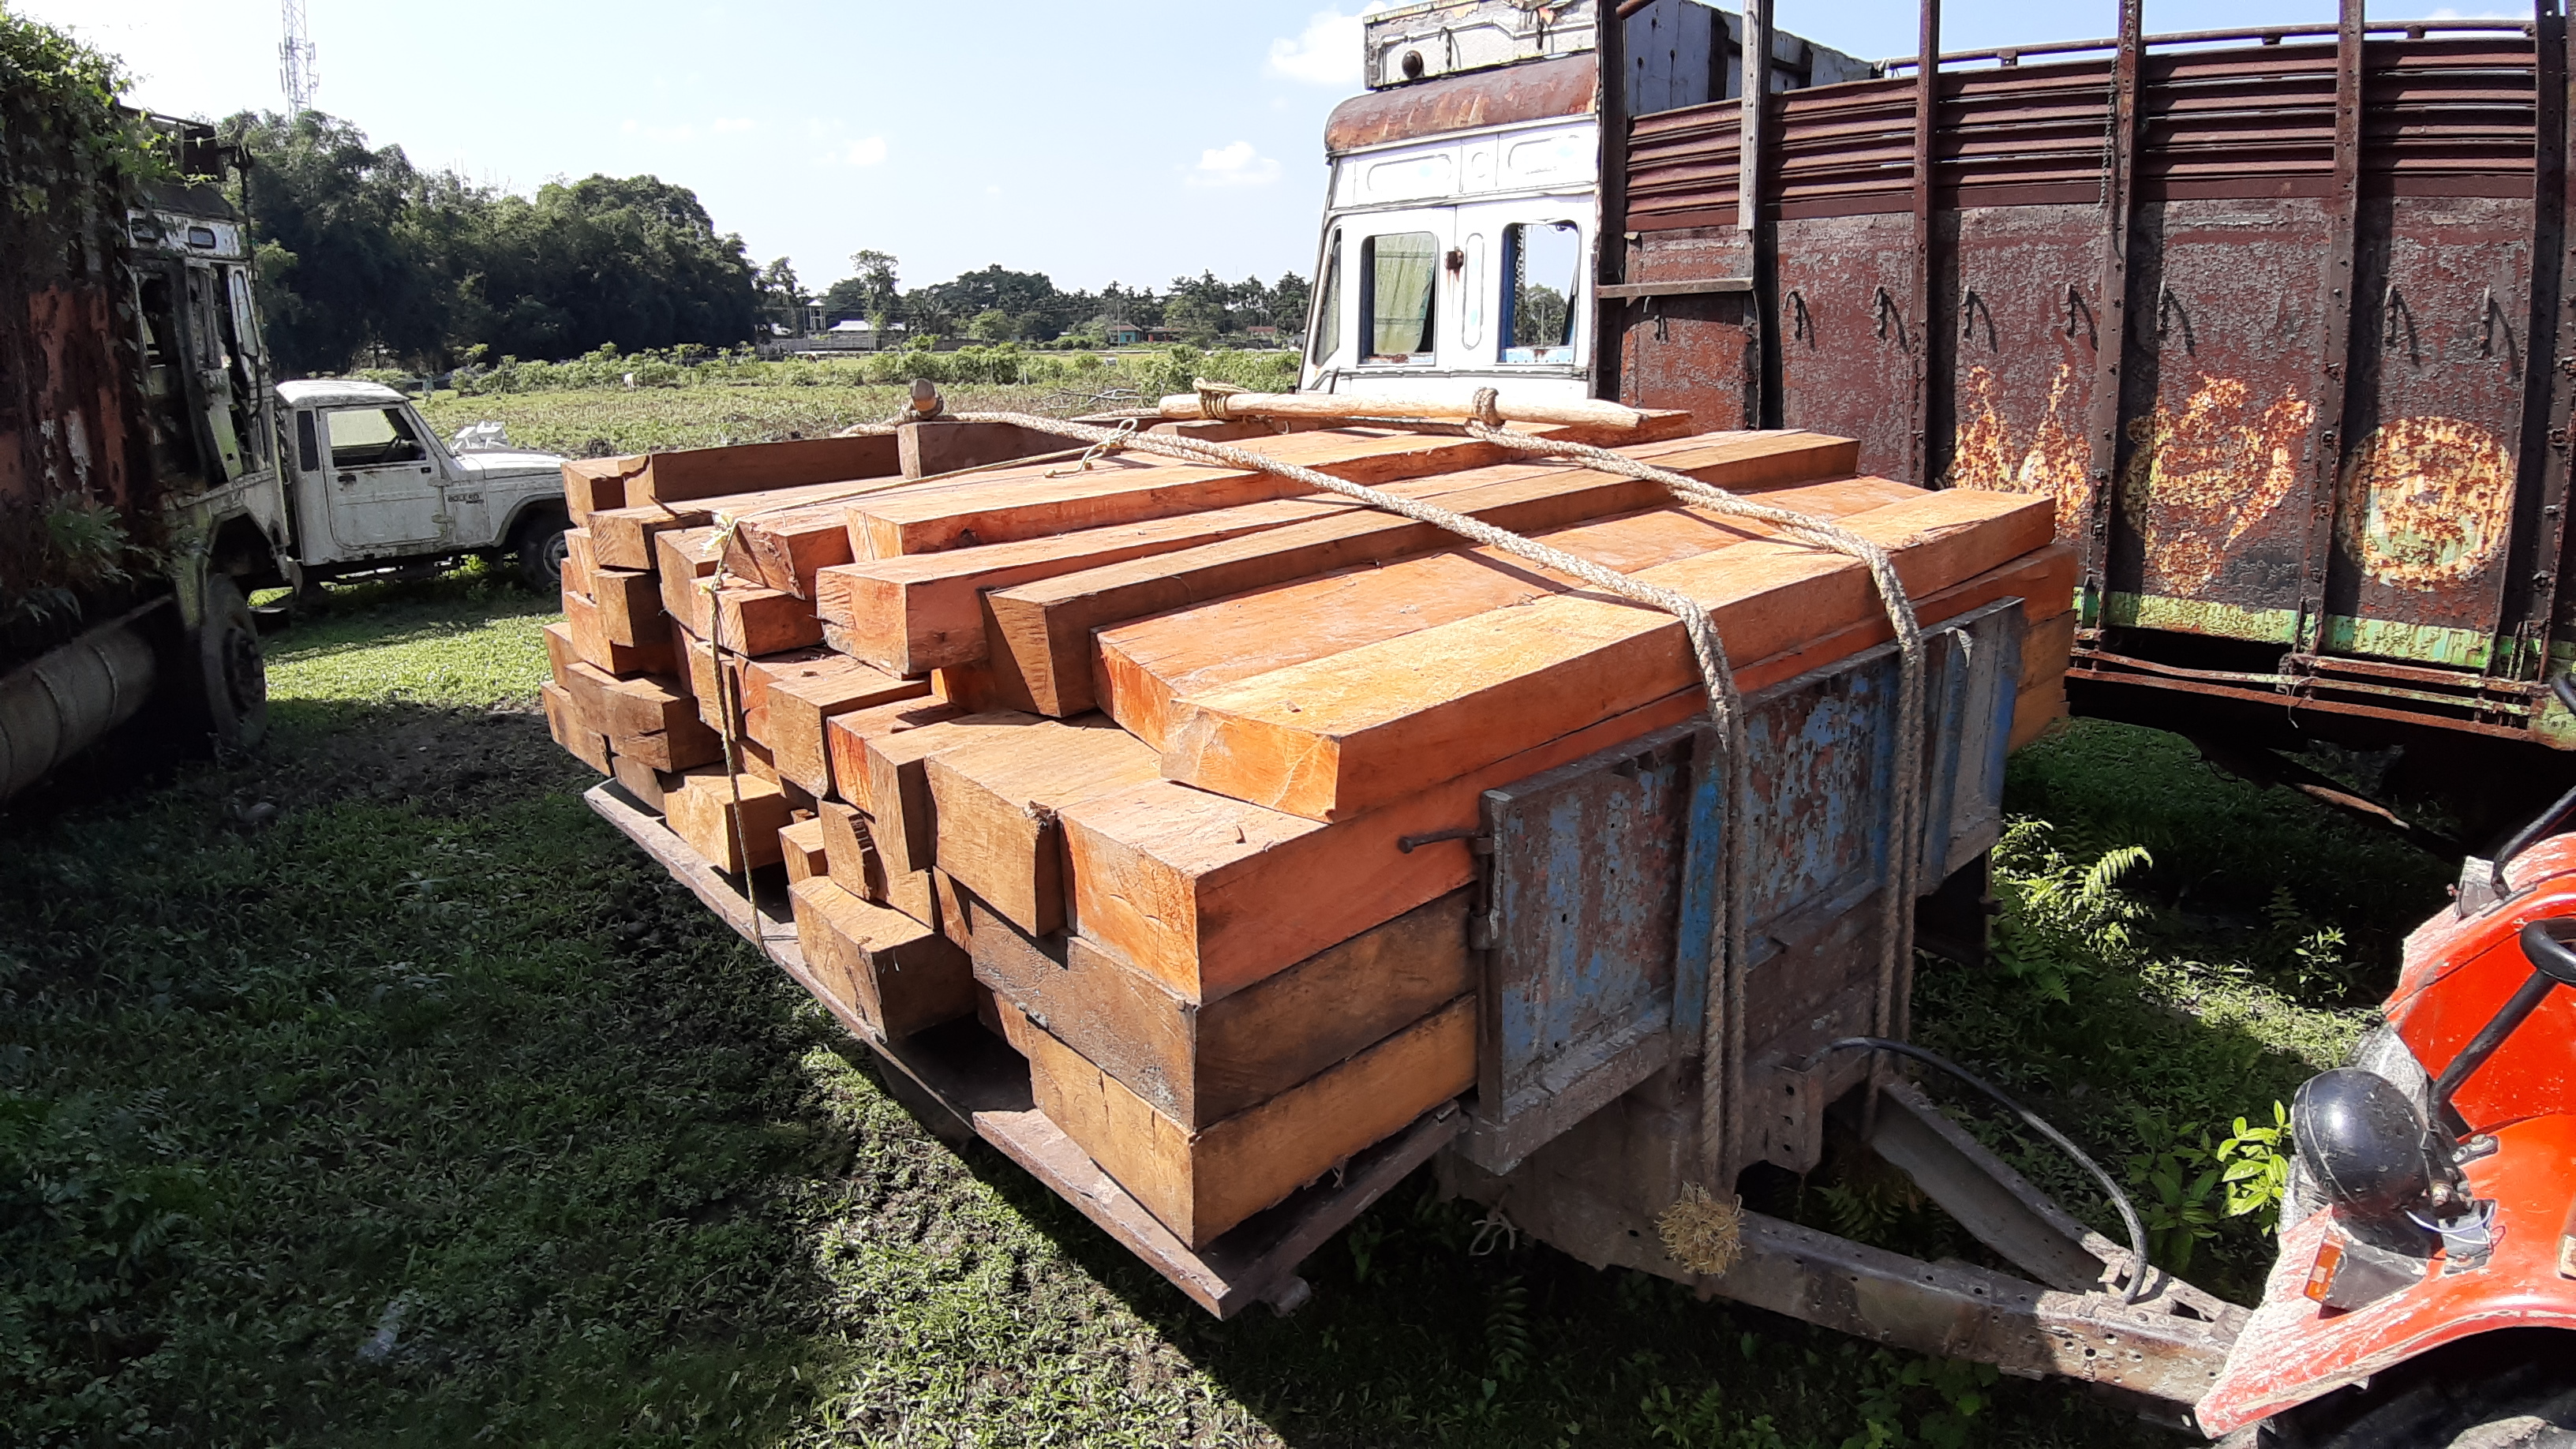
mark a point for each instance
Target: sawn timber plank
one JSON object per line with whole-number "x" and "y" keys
{"x": 996, "y": 798}
{"x": 802, "y": 695}
{"x": 1141, "y": 666}
{"x": 1199, "y": 1184}
{"x": 1186, "y": 885}
{"x": 699, "y": 473}
{"x": 846, "y": 736}
{"x": 899, "y": 975}
{"x": 1199, "y": 1064}
{"x": 1338, "y": 736}
{"x": 964, "y": 1082}
{"x": 1129, "y": 488}
{"x": 1040, "y": 631}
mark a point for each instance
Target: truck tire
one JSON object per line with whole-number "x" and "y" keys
{"x": 540, "y": 546}
{"x": 232, "y": 672}
{"x": 2508, "y": 1389}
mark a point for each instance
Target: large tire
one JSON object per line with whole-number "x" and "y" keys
{"x": 2510, "y": 1389}
{"x": 540, "y": 546}
{"x": 231, "y": 685}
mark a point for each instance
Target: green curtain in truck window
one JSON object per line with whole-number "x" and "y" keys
{"x": 1402, "y": 269}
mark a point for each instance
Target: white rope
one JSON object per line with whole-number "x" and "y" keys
{"x": 1723, "y": 1027}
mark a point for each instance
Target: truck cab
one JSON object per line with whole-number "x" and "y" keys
{"x": 1462, "y": 225}
{"x": 372, "y": 484}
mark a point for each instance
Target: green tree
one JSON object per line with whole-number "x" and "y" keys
{"x": 359, "y": 249}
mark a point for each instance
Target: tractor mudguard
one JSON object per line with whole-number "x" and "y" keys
{"x": 2458, "y": 972}
{"x": 2294, "y": 1350}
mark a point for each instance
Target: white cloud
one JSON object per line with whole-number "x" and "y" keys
{"x": 2447, "y": 13}
{"x": 1328, "y": 53}
{"x": 1235, "y": 165}
{"x": 731, "y": 126}
{"x": 865, "y": 151}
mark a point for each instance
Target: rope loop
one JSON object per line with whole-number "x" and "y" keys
{"x": 1212, "y": 396}
{"x": 1106, "y": 448}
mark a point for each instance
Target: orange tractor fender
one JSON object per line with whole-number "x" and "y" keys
{"x": 2459, "y": 971}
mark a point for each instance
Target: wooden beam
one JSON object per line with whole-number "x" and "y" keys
{"x": 1040, "y": 632}
{"x": 1354, "y": 407}
{"x": 1131, "y": 488}
{"x": 801, "y": 846}
{"x": 1200, "y": 1064}
{"x": 622, "y": 538}
{"x": 1199, "y": 1184}
{"x": 995, "y": 799}
{"x": 948, "y": 445}
{"x": 845, "y": 738}
{"x": 1140, "y": 668}
{"x": 630, "y": 607}
{"x": 590, "y": 638}
{"x": 594, "y": 484}
{"x": 857, "y": 866}
{"x": 899, "y": 975}
{"x": 1342, "y": 735}
{"x": 706, "y": 807}
{"x": 578, "y": 561}
{"x": 900, "y": 806}
{"x": 682, "y": 558}
{"x": 564, "y": 722}
{"x": 921, "y": 612}
{"x": 701, "y": 473}
{"x": 1186, "y": 884}
{"x": 801, "y": 695}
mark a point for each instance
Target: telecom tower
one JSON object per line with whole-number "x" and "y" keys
{"x": 295, "y": 62}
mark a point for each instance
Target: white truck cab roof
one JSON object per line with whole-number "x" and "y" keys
{"x": 336, "y": 392}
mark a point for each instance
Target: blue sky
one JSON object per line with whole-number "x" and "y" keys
{"x": 1124, "y": 140}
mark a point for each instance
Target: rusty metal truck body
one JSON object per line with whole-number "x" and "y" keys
{"x": 2276, "y": 317}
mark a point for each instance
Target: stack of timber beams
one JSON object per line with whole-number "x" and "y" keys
{"x": 1125, "y": 761}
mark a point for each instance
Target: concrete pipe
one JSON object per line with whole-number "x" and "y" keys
{"x": 68, "y": 700}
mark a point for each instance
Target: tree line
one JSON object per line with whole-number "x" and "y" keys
{"x": 366, "y": 259}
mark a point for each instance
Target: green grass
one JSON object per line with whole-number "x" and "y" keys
{"x": 605, "y": 422}
{"x": 428, "y": 1047}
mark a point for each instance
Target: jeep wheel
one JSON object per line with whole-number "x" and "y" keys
{"x": 540, "y": 546}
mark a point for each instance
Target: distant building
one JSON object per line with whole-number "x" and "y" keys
{"x": 1122, "y": 334}
{"x": 1263, "y": 333}
{"x": 1162, "y": 334}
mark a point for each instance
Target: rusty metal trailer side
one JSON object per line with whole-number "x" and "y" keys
{"x": 2274, "y": 316}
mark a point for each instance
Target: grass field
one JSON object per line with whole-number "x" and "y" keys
{"x": 604, "y": 422}
{"x": 370, "y": 1091}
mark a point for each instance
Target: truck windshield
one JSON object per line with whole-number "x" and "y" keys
{"x": 1543, "y": 262}
{"x": 372, "y": 437}
{"x": 1401, "y": 271}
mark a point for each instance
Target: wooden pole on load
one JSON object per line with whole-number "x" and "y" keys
{"x": 1348, "y": 407}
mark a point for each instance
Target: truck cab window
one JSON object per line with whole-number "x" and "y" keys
{"x": 308, "y": 450}
{"x": 1542, "y": 277}
{"x": 373, "y": 437}
{"x": 1328, "y": 307}
{"x": 1400, "y": 273}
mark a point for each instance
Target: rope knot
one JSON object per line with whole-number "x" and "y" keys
{"x": 1486, "y": 408}
{"x": 1212, "y": 396}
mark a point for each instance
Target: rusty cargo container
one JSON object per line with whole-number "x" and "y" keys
{"x": 2277, "y": 316}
